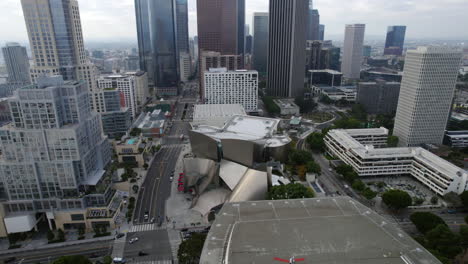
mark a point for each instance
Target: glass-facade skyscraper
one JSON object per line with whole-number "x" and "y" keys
{"x": 17, "y": 63}
{"x": 395, "y": 40}
{"x": 182, "y": 26}
{"x": 156, "y": 28}
{"x": 260, "y": 42}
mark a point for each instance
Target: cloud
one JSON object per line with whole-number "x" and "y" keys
{"x": 115, "y": 20}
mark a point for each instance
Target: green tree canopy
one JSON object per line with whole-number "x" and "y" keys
{"x": 270, "y": 105}
{"x": 426, "y": 221}
{"x": 290, "y": 191}
{"x": 72, "y": 260}
{"x": 190, "y": 249}
{"x": 368, "y": 193}
{"x": 300, "y": 157}
{"x": 347, "y": 123}
{"x": 397, "y": 199}
{"x": 305, "y": 106}
{"x": 464, "y": 198}
{"x": 315, "y": 141}
{"x": 392, "y": 141}
{"x": 442, "y": 239}
{"x": 313, "y": 167}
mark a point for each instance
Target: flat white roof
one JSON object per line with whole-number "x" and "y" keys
{"x": 207, "y": 111}
{"x": 369, "y": 152}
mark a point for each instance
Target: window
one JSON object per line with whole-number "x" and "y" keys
{"x": 77, "y": 217}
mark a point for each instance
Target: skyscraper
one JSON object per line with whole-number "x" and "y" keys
{"x": 156, "y": 31}
{"x": 248, "y": 44}
{"x": 313, "y": 25}
{"x": 352, "y": 51}
{"x": 182, "y": 26}
{"x": 426, "y": 94}
{"x": 395, "y": 40}
{"x": 221, "y": 26}
{"x": 321, "y": 32}
{"x": 286, "y": 47}
{"x": 56, "y": 39}
{"x": 260, "y": 42}
{"x": 17, "y": 63}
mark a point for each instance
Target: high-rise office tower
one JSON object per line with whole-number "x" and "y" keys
{"x": 395, "y": 40}
{"x": 182, "y": 26}
{"x": 248, "y": 44}
{"x": 56, "y": 39}
{"x": 352, "y": 51}
{"x": 330, "y": 58}
{"x": 426, "y": 95}
{"x": 366, "y": 50}
{"x": 313, "y": 25}
{"x": 260, "y": 42}
{"x": 322, "y": 32}
{"x": 17, "y": 63}
{"x": 156, "y": 31}
{"x": 286, "y": 47}
{"x": 53, "y": 158}
{"x": 221, "y": 26}
{"x": 314, "y": 47}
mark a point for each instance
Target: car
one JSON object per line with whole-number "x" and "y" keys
{"x": 171, "y": 179}
{"x": 181, "y": 174}
{"x": 119, "y": 235}
{"x": 451, "y": 211}
{"x": 142, "y": 253}
{"x": 330, "y": 169}
{"x": 146, "y": 216}
{"x": 133, "y": 240}
{"x": 152, "y": 220}
{"x": 119, "y": 260}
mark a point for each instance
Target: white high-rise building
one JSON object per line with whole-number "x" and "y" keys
{"x": 352, "y": 51}
{"x": 126, "y": 85}
{"x": 56, "y": 40}
{"x": 141, "y": 87}
{"x": 232, "y": 87}
{"x": 426, "y": 94}
{"x": 185, "y": 65}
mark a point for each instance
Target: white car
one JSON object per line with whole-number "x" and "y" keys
{"x": 133, "y": 240}
{"x": 171, "y": 179}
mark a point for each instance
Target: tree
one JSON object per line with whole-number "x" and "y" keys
{"x": 270, "y": 105}
{"x": 190, "y": 249}
{"x": 343, "y": 169}
{"x": 369, "y": 194}
{"x": 347, "y": 123}
{"x": 464, "y": 236}
{"x": 315, "y": 141}
{"x": 290, "y": 191}
{"x": 326, "y": 100}
{"x": 358, "y": 185}
{"x": 464, "y": 199}
{"x": 392, "y": 141}
{"x": 305, "y": 106}
{"x": 426, "y": 221}
{"x": 434, "y": 200}
{"x": 72, "y": 260}
{"x": 359, "y": 112}
{"x": 300, "y": 157}
{"x": 135, "y": 132}
{"x": 313, "y": 167}
{"x": 50, "y": 235}
{"x": 397, "y": 199}
{"x": 107, "y": 260}
{"x": 442, "y": 239}
{"x": 60, "y": 235}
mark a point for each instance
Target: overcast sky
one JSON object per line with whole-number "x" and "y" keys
{"x": 114, "y": 20}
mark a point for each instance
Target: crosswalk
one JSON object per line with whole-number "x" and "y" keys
{"x": 145, "y": 227}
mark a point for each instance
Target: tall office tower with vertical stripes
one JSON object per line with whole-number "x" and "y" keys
{"x": 426, "y": 94}
{"x": 286, "y": 47}
{"x": 260, "y": 42}
{"x": 352, "y": 51}
{"x": 56, "y": 40}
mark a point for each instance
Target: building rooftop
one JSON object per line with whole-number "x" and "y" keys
{"x": 328, "y": 230}
{"x": 381, "y": 131}
{"x": 285, "y": 103}
{"x": 326, "y": 71}
{"x": 215, "y": 114}
{"x": 245, "y": 127}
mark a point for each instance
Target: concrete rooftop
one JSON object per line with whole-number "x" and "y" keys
{"x": 334, "y": 230}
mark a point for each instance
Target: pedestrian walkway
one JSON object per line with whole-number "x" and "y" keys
{"x": 145, "y": 227}
{"x": 119, "y": 247}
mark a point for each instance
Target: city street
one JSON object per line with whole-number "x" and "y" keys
{"x": 91, "y": 250}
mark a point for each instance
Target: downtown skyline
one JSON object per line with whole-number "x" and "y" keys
{"x": 119, "y": 18}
